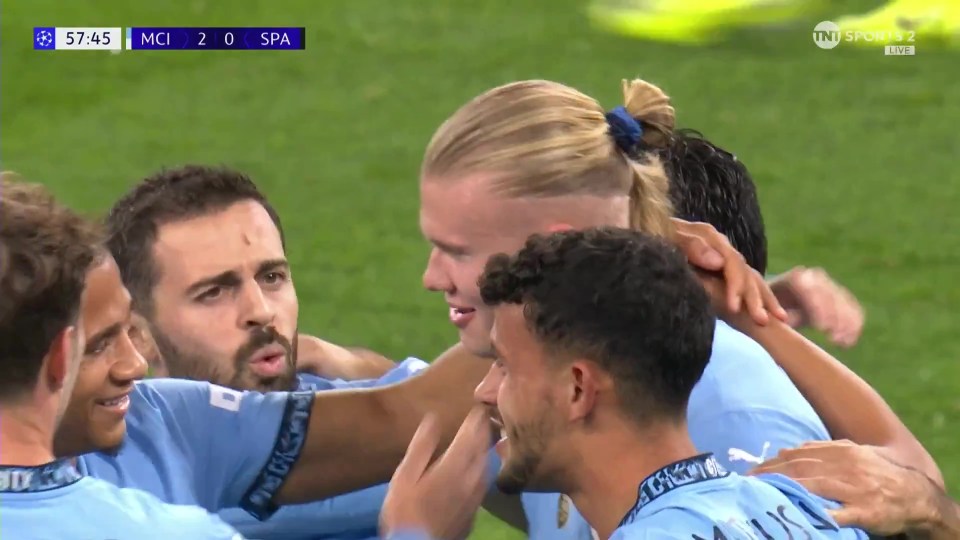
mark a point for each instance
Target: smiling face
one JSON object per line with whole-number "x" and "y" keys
{"x": 466, "y": 223}
{"x": 525, "y": 394}
{"x": 224, "y": 306}
{"x": 95, "y": 416}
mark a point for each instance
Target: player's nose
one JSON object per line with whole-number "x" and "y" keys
{"x": 130, "y": 366}
{"x": 435, "y": 277}
{"x": 486, "y": 391}
{"x": 255, "y": 309}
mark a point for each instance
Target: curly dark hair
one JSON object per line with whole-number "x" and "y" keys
{"x": 623, "y": 299}
{"x": 46, "y": 251}
{"x": 170, "y": 195}
{"x": 709, "y": 184}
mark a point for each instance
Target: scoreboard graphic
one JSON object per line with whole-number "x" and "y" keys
{"x": 168, "y": 38}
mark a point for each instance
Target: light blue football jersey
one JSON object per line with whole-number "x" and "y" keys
{"x": 697, "y": 499}
{"x": 743, "y": 410}
{"x": 197, "y": 443}
{"x": 351, "y": 516}
{"x": 54, "y": 502}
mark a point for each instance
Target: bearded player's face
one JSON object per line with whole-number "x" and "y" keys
{"x": 520, "y": 391}
{"x": 224, "y": 306}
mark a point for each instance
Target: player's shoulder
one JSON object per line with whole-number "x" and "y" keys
{"x": 742, "y": 376}
{"x": 731, "y": 347}
{"x": 794, "y": 491}
{"x": 646, "y": 530}
{"x": 142, "y": 509}
{"x": 155, "y": 389}
{"x": 160, "y": 392}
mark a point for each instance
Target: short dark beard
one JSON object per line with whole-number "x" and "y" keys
{"x": 522, "y": 471}
{"x": 182, "y": 364}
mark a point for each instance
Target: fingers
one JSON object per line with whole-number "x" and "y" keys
{"x": 829, "y": 307}
{"x": 420, "y": 451}
{"x": 695, "y": 242}
{"x": 464, "y": 467}
{"x": 816, "y": 295}
{"x": 472, "y": 440}
{"x": 849, "y": 517}
{"x": 770, "y": 302}
{"x": 794, "y": 319}
{"x": 707, "y": 249}
{"x": 828, "y": 488}
{"x": 851, "y": 318}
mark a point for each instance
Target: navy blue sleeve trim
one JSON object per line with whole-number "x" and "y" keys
{"x": 258, "y": 500}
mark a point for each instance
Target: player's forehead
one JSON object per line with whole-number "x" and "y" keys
{"x": 105, "y": 300}
{"x": 237, "y": 238}
{"x": 467, "y": 211}
{"x": 510, "y": 333}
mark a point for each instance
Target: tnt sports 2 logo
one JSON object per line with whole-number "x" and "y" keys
{"x": 827, "y": 35}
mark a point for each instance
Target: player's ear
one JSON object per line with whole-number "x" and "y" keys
{"x": 584, "y": 385}
{"x": 61, "y": 353}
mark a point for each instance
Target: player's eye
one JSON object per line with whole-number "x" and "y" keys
{"x": 99, "y": 347}
{"x": 272, "y": 278}
{"x": 210, "y": 294}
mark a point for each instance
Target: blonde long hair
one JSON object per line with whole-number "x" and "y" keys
{"x": 545, "y": 139}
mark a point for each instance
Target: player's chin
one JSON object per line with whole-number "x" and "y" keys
{"x": 477, "y": 343}
{"x": 509, "y": 482}
{"x": 109, "y": 438}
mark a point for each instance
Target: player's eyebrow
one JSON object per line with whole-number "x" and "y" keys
{"x": 272, "y": 265}
{"x": 447, "y": 247}
{"x": 229, "y": 278}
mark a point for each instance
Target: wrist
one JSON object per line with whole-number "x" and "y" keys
{"x": 772, "y": 332}
{"x": 933, "y": 515}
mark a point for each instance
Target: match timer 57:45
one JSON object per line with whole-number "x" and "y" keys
{"x": 78, "y": 38}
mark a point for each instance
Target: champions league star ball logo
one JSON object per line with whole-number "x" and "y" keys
{"x": 44, "y": 39}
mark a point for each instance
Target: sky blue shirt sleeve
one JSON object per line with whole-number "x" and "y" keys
{"x": 402, "y": 371}
{"x": 243, "y": 443}
{"x": 745, "y": 408}
{"x": 813, "y": 507}
{"x": 353, "y": 515}
{"x": 743, "y": 439}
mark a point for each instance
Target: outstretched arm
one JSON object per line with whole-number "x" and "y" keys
{"x": 848, "y": 405}
{"x": 356, "y": 439}
{"x": 324, "y": 359}
{"x": 876, "y": 493}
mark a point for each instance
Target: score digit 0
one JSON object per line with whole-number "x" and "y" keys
{"x": 228, "y": 39}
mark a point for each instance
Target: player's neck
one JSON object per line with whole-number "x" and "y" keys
{"x": 26, "y": 439}
{"x": 605, "y": 494}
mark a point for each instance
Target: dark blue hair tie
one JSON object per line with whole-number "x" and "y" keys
{"x": 624, "y": 129}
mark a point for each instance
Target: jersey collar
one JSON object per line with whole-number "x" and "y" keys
{"x": 676, "y": 475}
{"x": 53, "y": 475}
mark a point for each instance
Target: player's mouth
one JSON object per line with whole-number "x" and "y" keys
{"x": 501, "y": 438}
{"x": 116, "y": 405}
{"x": 270, "y": 361}
{"x": 461, "y": 316}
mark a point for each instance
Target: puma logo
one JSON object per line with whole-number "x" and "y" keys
{"x": 736, "y": 454}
